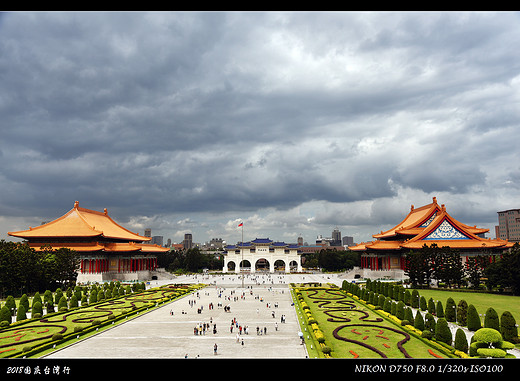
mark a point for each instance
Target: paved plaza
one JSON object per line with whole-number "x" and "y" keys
{"x": 169, "y": 331}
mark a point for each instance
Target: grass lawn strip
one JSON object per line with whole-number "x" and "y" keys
{"x": 311, "y": 343}
{"x": 35, "y": 337}
{"x": 366, "y": 334}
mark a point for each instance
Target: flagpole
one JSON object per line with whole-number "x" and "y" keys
{"x": 242, "y": 251}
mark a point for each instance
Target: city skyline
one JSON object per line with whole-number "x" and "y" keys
{"x": 290, "y": 122}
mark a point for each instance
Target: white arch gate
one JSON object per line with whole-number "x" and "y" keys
{"x": 262, "y": 249}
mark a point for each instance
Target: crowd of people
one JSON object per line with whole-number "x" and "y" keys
{"x": 224, "y": 299}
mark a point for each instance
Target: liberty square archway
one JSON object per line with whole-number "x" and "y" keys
{"x": 262, "y": 255}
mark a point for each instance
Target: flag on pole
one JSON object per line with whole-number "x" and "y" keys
{"x": 240, "y": 224}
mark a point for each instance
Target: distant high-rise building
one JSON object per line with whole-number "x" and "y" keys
{"x": 188, "y": 241}
{"x": 300, "y": 241}
{"x": 157, "y": 240}
{"x": 348, "y": 241}
{"x": 508, "y": 225}
{"x": 148, "y": 232}
{"x": 336, "y": 237}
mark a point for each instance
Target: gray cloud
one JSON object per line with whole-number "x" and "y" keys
{"x": 183, "y": 116}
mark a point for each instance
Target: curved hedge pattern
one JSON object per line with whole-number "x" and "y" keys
{"x": 37, "y": 333}
{"x": 362, "y": 328}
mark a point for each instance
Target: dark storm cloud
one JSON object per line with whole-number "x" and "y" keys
{"x": 186, "y": 112}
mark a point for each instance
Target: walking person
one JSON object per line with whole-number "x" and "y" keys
{"x": 215, "y": 347}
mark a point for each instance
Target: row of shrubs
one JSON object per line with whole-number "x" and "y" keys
{"x": 318, "y": 334}
{"x": 80, "y": 331}
{"x": 437, "y": 330}
{"x": 72, "y": 298}
{"x": 463, "y": 314}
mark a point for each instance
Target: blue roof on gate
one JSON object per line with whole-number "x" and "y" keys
{"x": 261, "y": 240}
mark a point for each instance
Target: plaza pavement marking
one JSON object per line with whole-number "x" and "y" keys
{"x": 122, "y": 341}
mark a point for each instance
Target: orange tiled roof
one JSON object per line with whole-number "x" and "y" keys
{"x": 105, "y": 247}
{"x": 431, "y": 224}
{"x": 412, "y": 222}
{"x": 81, "y": 222}
{"x": 77, "y": 246}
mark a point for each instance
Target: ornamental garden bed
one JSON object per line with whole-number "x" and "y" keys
{"x": 35, "y": 337}
{"x": 348, "y": 328}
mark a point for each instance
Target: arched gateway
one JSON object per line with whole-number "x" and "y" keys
{"x": 262, "y": 254}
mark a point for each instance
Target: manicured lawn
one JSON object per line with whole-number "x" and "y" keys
{"x": 353, "y": 330}
{"x": 481, "y": 301}
{"x": 37, "y": 336}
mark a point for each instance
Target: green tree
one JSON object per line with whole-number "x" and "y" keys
{"x": 448, "y": 266}
{"x": 419, "y": 265}
{"x": 505, "y": 271}
{"x": 193, "y": 259}
{"x": 475, "y": 267}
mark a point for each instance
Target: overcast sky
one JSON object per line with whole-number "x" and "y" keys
{"x": 293, "y": 123}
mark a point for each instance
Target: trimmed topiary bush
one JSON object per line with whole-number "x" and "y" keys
{"x": 419, "y": 321}
{"x": 415, "y": 299}
{"x": 5, "y": 315}
{"x": 408, "y": 315}
{"x": 473, "y": 318}
{"x": 37, "y": 308}
{"x": 400, "y": 310}
{"x": 407, "y": 297}
{"x": 508, "y": 328}
{"x": 57, "y": 336}
{"x": 423, "y": 304}
{"x": 488, "y": 342}
{"x": 439, "y": 309}
{"x": 20, "y": 314}
{"x": 442, "y": 331}
{"x": 449, "y": 312}
{"x": 429, "y": 322}
{"x": 461, "y": 342}
{"x": 431, "y": 306}
{"x": 462, "y": 313}
{"x": 491, "y": 319}
{"x": 62, "y": 304}
{"x": 388, "y": 305}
